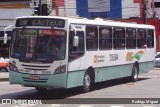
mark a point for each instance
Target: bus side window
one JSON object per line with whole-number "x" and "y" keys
{"x": 150, "y": 38}
{"x": 141, "y": 38}
{"x": 78, "y": 51}
{"x": 105, "y": 38}
{"x": 119, "y": 38}
{"x": 130, "y": 38}
{"x": 91, "y": 38}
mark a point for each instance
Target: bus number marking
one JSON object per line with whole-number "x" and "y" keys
{"x": 46, "y": 72}
{"x": 113, "y": 57}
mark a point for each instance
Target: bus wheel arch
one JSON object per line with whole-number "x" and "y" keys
{"x": 3, "y": 69}
{"x": 135, "y": 72}
{"x": 89, "y": 79}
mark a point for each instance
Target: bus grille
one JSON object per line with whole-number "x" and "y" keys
{"x": 35, "y": 67}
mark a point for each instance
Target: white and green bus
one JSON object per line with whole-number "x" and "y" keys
{"x": 62, "y": 52}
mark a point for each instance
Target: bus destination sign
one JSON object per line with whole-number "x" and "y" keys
{"x": 40, "y": 22}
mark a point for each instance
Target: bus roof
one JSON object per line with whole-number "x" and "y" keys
{"x": 96, "y": 21}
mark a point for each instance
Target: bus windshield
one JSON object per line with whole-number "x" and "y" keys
{"x": 39, "y": 45}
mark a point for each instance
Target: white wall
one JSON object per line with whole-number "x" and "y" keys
{"x": 12, "y": 13}
{"x": 98, "y": 5}
{"x": 7, "y": 16}
{"x": 69, "y": 9}
{"x": 130, "y": 9}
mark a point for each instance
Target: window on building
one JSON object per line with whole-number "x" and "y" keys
{"x": 150, "y": 38}
{"x": 91, "y": 38}
{"x": 105, "y": 38}
{"x": 141, "y": 38}
{"x": 131, "y": 38}
{"x": 119, "y": 38}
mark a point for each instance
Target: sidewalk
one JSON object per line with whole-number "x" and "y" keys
{"x": 4, "y": 76}
{"x": 157, "y": 68}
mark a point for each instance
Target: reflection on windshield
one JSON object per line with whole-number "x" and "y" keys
{"x": 38, "y": 44}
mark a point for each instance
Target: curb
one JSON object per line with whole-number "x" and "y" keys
{"x": 156, "y": 68}
{"x": 4, "y": 79}
{"x": 4, "y": 76}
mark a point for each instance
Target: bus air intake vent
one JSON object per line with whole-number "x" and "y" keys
{"x": 35, "y": 67}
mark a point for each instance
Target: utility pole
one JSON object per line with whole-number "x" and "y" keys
{"x": 144, "y": 11}
{"x": 40, "y": 7}
{"x": 153, "y": 9}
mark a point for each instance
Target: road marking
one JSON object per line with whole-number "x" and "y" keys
{"x": 54, "y": 105}
{"x": 116, "y": 106}
{"x": 24, "y": 105}
{"x": 85, "y": 106}
{"x": 31, "y": 104}
{"x": 15, "y": 106}
{"x": 148, "y": 106}
{"x": 149, "y": 76}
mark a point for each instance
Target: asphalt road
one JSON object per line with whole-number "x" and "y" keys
{"x": 123, "y": 91}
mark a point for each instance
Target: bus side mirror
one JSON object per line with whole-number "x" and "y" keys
{"x": 5, "y": 38}
{"x": 8, "y": 28}
{"x": 76, "y": 41}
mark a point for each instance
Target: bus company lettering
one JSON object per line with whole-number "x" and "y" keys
{"x": 113, "y": 57}
{"x": 99, "y": 58}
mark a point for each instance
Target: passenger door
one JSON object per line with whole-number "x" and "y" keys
{"x": 76, "y": 56}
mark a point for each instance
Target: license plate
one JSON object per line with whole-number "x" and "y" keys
{"x": 34, "y": 77}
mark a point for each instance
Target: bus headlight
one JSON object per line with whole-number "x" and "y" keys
{"x": 60, "y": 69}
{"x": 12, "y": 67}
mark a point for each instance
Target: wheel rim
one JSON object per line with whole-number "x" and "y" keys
{"x": 87, "y": 82}
{"x": 135, "y": 75}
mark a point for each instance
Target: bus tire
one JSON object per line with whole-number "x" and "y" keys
{"x": 40, "y": 89}
{"x": 87, "y": 82}
{"x": 135, "y": 73}
{"x": 3, "y": 69}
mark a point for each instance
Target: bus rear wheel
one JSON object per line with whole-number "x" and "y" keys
{"x": 135, "y": 74}
{"x": 87, "y": 82}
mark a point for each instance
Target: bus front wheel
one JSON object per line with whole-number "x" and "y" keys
{"x": 87, "y": 82}
{"x": 135, "y": 73}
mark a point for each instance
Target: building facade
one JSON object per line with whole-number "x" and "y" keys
{"x": 111, "y": 9}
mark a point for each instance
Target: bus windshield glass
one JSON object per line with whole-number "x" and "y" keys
{"x": 38, "y": 45}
